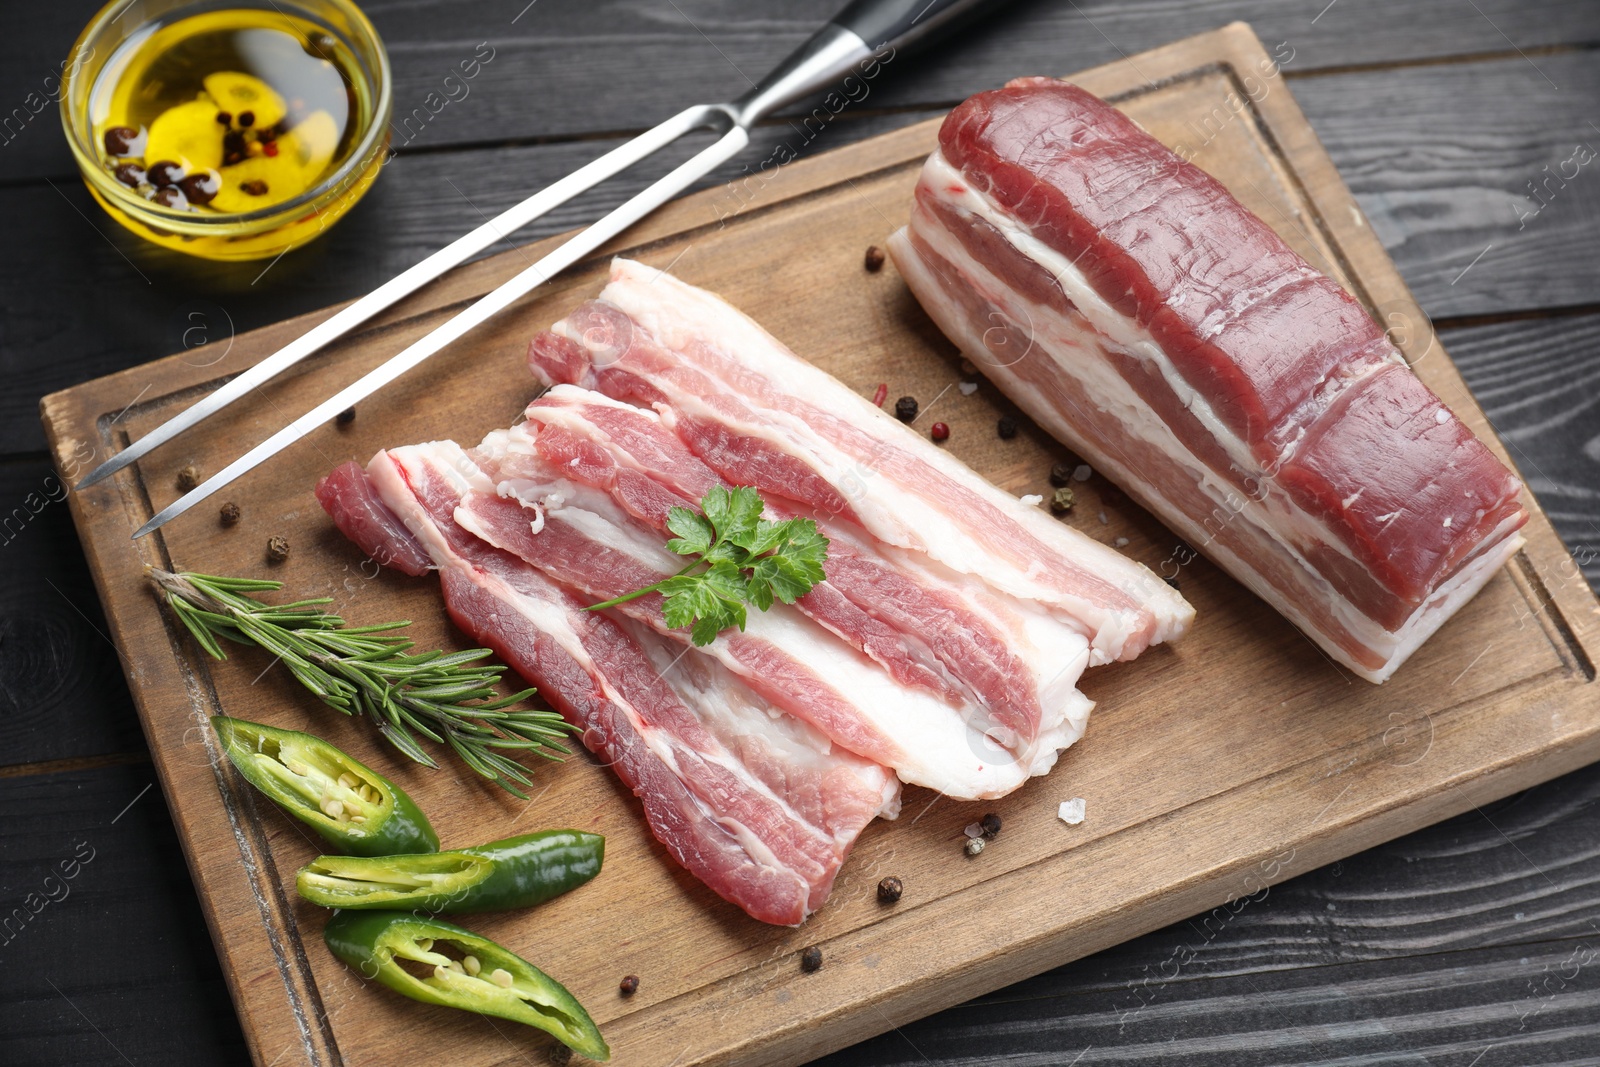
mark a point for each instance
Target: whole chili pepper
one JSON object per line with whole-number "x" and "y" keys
{"x": 518, "y": 872}
{"x": 467, "y": 972}
{"x": 353, "y": 807}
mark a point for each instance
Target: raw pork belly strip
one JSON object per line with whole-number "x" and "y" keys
{"x": 758, "y": 415}
{"x": 937, "y": 632}
{"x": 580, "y": 537}
{"x": 753, "y": 802}
{"x": 1173, "y": 338}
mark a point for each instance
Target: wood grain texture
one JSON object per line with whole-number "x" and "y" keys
{"x": 564, "y": 68}
{"x": 1440, "y": 177}
{"x": 1312, "y": 769}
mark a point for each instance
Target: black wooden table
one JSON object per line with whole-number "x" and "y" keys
{"x": 1470, "y": 131}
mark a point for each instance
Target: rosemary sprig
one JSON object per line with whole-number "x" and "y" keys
{"x": 448, "y": 698}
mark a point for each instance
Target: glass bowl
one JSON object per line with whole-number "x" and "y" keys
{"x": 102, "y": 55}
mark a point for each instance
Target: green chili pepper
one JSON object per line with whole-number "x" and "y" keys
{"x": 438, "y": 963}
{"x": 515, "y": 873}
{"x": 353, "y": 807}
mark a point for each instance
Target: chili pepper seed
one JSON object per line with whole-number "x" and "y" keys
{"x": 629, "y": 985}
{"x": 501, "y": 977}
{"x": 890, "y": 890}
{"x": 874, "y": 259}
{"x": 811, "y": 960}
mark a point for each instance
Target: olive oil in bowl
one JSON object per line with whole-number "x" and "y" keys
{"x": 234, "y": 133}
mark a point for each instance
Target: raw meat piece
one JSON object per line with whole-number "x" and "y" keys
{"x": 755, "y": 803}
{"x": 581, "y": 537}
{"x": 1177, "y": 342}
{"x": 758, "y": 415}
{"x": 940, "y": 631}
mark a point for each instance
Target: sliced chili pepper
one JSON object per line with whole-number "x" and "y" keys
{"x": 354, "y": 808}
{"x": 436, "y": 962}
{"x": 518, "y": 872}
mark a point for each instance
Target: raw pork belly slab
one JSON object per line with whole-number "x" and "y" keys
{"x": 757, "y": 414}
{"x": 938, "y": 632}
{"x": 581, "y": 537}
{"x": 1176, "y": 341}
{"x": 756, "y": 804}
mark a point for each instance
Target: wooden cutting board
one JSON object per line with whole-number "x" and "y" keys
{"x": 1211, "y": 769}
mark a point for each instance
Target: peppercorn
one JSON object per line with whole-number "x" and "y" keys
{"x": 255, "y": 187}
{"x": 905, "y": 409}
{"x": 874, "y": 259}
{"x": 1061, "y": 501}
{"x": 345, "y": 417}
{"x": 247, "y": 119}
{"x": 234, "y": 147}
{"x": 560, "y": 1055}
{"x": 629, "y": 986}
{"x": 224, "y": 118}
{"x": 277, "y": 549}
{"x": 188, "y": 477}
{"x": 129, "y": 174}
{"x": 120, "y": 140}
{"x": 163, "y": 173}
{"x": 880, "y": 394}
{"x": 974, "y": 845}
{"x": 991, "y": 825}
{"x": 939, "y": 431}
{"x": 811, "y": 959}
{"x": 201, "y": 188}
{"x": 270, "y": 148}
{"x": 170, "y": 197}
{"x": 1006, "y": 427}
{"x": 229, "y": 514}
{"x": 1061, "y": 473}
{"x": 890, "y": 890}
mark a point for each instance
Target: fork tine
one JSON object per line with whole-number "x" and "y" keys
{"x": 485, "y": 308}
{"x": 414, "y": 278}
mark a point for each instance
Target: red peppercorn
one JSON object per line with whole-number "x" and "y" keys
{"x": 270, "y": 148}
{"x": 940, "y": 431}
{"x": 880, "y": 395}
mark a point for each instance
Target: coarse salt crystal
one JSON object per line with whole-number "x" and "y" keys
{"x": 1441, "y": 416}
{"x": 967, "y": 388}
{"x": 1032, "y": 499}
{"x": 974, "y": 830}
{"x": 1103, "y": 520}
{"x": 1121, "y": 542}
{"x": 1081, "y": 472}
{"x": 1071, "y": 811}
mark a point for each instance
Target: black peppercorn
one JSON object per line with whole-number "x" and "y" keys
{"x": 890, "y": 890}
{"x": 811, "y": 959}
{"x": 201, "y": 188}
{"x": 874, "y": 259}
{"x": 188, "y": 477}
{"x": 247, "y": 119}
{"x": 560, "y": 1055}
{"x": 229, "y": 514}
{"x": 277, "y": 549}
{"x": 120, "y": 141}
{"x": 224, "y": 118}
{"x": 345, "y": 417}
{"x": 1061, "y": 473}
{"x": 905, "y": 409}
{"x": 255, "y": 187}
{"x": 1006, "y": 427}
{"x": 990, "y": 824}
{"x": 629, "y": 985}
{"x": 163, "y": 173}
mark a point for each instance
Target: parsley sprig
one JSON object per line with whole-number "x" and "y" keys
{"x": 742, "y": 559}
